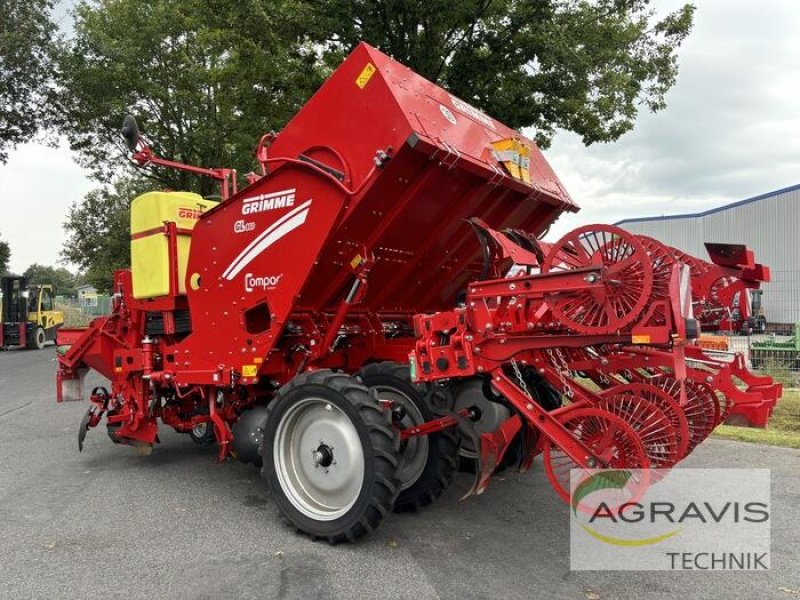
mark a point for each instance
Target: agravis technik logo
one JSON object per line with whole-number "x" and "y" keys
{"x": 681, "y": 519}
{"x": 600, "y": 483}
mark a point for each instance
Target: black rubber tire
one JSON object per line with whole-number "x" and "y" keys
{"x": 39, "y": 338}
{"x": 442, "y": 461}
{"x": 380, "y": 441}
{"x": 248, "y": 435}
{"x": 206, "y": 438}
{"x": 760, "y": 324}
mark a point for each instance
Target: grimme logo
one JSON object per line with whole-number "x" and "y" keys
{"x": 447, "y": 114}
{"x": 242, "y": 226}
{"x": 471, "y": 111}
{"x": 265, "y": 202}
{"x": 253, "y": 282}
{"x": 186, "y": 212}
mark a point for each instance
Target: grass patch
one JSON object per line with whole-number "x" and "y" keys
{"x": 769, "y": 437}
{"x": 783, "y": 429}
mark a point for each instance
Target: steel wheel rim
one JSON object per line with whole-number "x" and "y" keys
{"x": 663, "y": 401}
{"x": 588, "y": 425}
{"x": 651, "y": 425}
{"x": 200, "y": 429}
{"x": 319, "y": 459}
{"x": 699, "y": 423}
{"x": 623, "y": 260}
{"x": 414, "y": 453}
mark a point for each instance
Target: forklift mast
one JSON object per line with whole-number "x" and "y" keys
{"x": 14, "y": 300}
{"x": 28, "y": 318}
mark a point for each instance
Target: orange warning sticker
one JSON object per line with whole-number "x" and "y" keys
{"x": 366, "y": 74}
{"x": 640, "y": 339}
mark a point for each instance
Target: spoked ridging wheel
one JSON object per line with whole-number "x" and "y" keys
{"x": 330, "y": 456}
{"x": 723, "y": 407}
{"x": 699, "y": 409}
{"x": 427, "y": 463}
{"x": 607, "y": 435}
{"x": 662, "y": 263}
{"x": 711, "y": 405}
{"x": 650, "y": 423}
{"x": 627, "y": 276}
{"x": 714, "y": 404}
{"x": 664, "y": 402}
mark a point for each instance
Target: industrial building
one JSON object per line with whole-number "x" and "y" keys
{"x": 768, "y": 224}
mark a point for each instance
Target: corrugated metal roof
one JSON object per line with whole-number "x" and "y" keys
{"x": 791, "y": 188}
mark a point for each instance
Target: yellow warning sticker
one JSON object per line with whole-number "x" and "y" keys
{"x": 356, "y": 262}
{"x": 366, "y": 74}
{"x": 640, "y": 339}
{"x": 249, "y": 370}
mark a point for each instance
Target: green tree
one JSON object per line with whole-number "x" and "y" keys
{"x": 62, "y": 280}
{"x": 582, "y": 66}
{"x": 98, "y": 231}
{"x": 205, "y": 78}
{"x": 5, "y": 256}
{"x": 26, "y": 34}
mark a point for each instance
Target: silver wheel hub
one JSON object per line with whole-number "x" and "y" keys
{"x": 319, "y": 459}
{"x": 492, "y": 413}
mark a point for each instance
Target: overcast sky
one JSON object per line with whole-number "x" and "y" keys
{"x": 731, "y": 130}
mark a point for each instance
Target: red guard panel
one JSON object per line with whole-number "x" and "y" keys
{"x": 252, "y": 255}
{"x": 411, "y": 213}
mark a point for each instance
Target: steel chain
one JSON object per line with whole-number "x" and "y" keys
{"x": 564, "y": 370}
{"x": 561, "y": 367}
{"x": 523, "y": 386}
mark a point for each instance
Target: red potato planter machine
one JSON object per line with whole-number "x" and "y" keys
{"x": 377, "y": 307}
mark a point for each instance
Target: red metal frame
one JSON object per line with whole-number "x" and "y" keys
{"x": 357, "y": 247}
{"x": 144, "y": 157}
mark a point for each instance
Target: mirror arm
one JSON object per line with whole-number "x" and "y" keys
{"x": 145, "y": 157}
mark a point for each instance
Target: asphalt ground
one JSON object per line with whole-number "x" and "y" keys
{"x": 110, "y": 524}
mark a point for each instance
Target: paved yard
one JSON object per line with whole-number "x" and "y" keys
{"x": 109, "y": 524}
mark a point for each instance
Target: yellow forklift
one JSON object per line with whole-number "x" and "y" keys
{"x": 28, "y": 318}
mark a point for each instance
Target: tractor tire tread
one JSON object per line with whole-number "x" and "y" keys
{"x": 440, "y": 473}
{"x": 385, "y": 443}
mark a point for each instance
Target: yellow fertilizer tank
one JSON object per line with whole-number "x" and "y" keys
{"x": 149, "y": 242}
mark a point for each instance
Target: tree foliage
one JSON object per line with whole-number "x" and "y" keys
{"x": 62, "y": 280}
{"x": 205, "y": 78}
{"x": 5, "y": 256}
{"x": 582, "y": 66}
{"x": 98, "y": 231}
{"x": 26, "y": 34}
